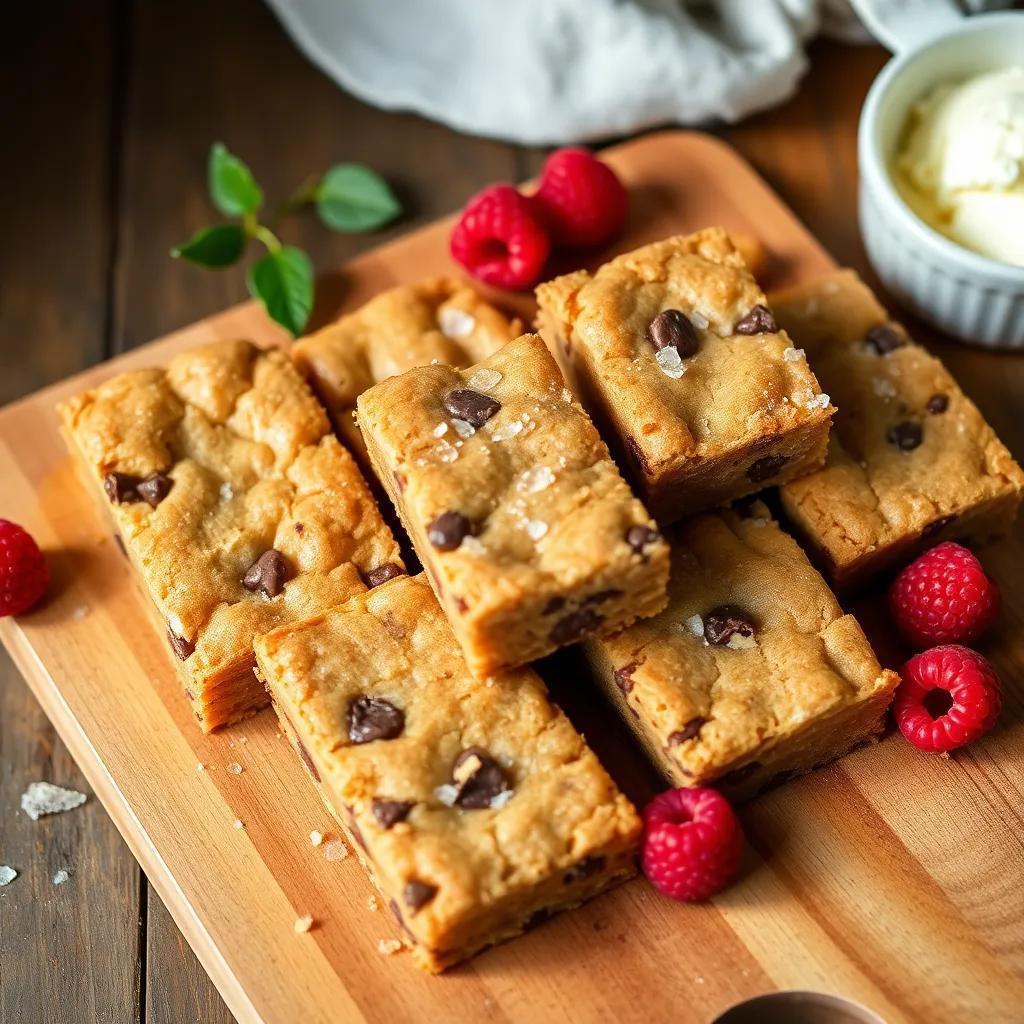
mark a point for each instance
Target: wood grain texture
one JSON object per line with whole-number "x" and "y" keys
{"x": 892, "y": 878}
{"x": 68, "y": 953}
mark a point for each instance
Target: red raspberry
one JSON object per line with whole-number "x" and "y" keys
{"x": 23, "y": 571}
{"x": 943, "y": 597}
{"x": 500, "y": 239}
{"x": 950, "y": 696}
{"x": 581, "y": 199}
{"x": 693, "y": 843}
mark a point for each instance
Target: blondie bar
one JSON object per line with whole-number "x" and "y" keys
{"x": 679, "y": 359}
{"x": 476, "y": 806}
{"x": 752, "y": 673}
{"x": 528, "y": 533}
{"x": 911, "y": 460}
{"x": 441, "y": 320}
{"x": 238, "y": 507}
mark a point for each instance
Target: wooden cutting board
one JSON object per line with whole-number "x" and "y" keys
{"x": 892, "y": 878}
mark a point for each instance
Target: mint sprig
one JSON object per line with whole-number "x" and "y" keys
{"x": 348, "y": 198}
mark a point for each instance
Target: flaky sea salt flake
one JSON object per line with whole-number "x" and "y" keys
{"x": 483, "y": 379}
{"x": 793, "y": 355}
{"x": 669, "y": 362}
{"x": 499, "y": 801}
{"x": 440, "y": 430}
{"x": 820, "y": 401}
{"x": 303, "y": 924}
{"x": 699, "y": 320}
{"x": 463, "y": 427}
{"x": 447, "y": 794}
{"x": 60, "y": 876}
{"x": 537, "y": 479}
{"x": 7, "y": 874}
{"x": 536, "y": 528}
{"x": 695, "y": 624}
{"x": 45, "y": 798}
{"x": 508, "y": 431}
{"x": 455, "y": 323}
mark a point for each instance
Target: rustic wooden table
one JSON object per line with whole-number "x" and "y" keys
{"x": 111, "y": 108}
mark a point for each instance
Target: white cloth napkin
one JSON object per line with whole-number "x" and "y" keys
{"x": 559, "y": 71}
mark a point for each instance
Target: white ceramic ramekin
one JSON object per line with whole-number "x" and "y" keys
{"x": 972, "y": 297}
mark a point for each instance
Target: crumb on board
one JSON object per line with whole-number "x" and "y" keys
{"x": 239, "y": 823}
{"x": 316, "y": 838}
{"x": 200, "y": 767}
{"x": 61, "y": 876}
{"x": 371, "y": 902}
{"x": 335, "y": 850}
{"x": 303, "y": 924}
{"x": 235, "y": 768}
{"x": 389, "y": 947}
{"x": 45, "y": 798}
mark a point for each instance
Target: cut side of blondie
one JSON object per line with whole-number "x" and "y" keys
{"x": 752, "y": 674}
{"x": 475, "y": 806}
{"x": 236, "y": 505}
{"x": 679, "y": 359}
{"x": 440, "y": 320}
{"x": 911, "y": 462}
{"x": 527, "y": 531}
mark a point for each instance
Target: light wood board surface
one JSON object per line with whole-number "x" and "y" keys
{"x": 892, "y": 878}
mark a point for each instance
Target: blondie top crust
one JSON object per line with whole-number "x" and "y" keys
{"x": 911, "y": 462}
{"x": 528, "y": 533}
{"x": 475, "y": 805}
{"x": 752, "y": 672}
{"x": 678, "y": 357}
{"x": 441, "y": 320}
{"x": 238, "y": 507}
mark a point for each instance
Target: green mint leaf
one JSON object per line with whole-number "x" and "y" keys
{"x": 216, "y": 247}
{"x": 283, "y": 282}
{"x": 351, "y": 197}
{"x": 233, "y": 189}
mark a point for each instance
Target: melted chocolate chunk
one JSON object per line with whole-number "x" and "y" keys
{"x": 391, "y": 812}
{"x": 624, "y": 677}
{"x": 937, "y": 404}
{"x": 574, "y": 626}
{"x": 584, "y": 869}
{"x": 556, "y": 604}
{"x": 640, "y": 537}
{"x": 418, "y": 894}
{"x": 688, "y": 731}
{"x": 471, "y": 406}
{"x": 479, "y": 778}
{"x": 121, "y": 488}
{"x": 937, "y": 526}
{"x": 765, "y": 468}
{"x": 726, "y": 622}
{"x": 638, "y": 456}
{"x": 154, "y": 488}
{"x": 758, "y": 321}
{"x": 740, "y": 774}
{"x": 672, "y": 329}
{"x": 906, "y": 436}
{"x": 383, "y": 573}
{"x": 372, "y": 718}
{"x": 601, "y": 596}
{"x": 884, "y": 338}
{"x": 181, "y": 646}
{"x": 449, "y": 530}
{"x": 268, "y": 573}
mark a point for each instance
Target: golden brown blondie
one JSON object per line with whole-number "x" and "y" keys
{"x": 752, "y": 673}
{"x": 237, "y": 506}
{"x": 528, "y": 533}
{"x": 911, "y": 461}
{"x": 679, "y": 360}
{"x": 476, "y": 806}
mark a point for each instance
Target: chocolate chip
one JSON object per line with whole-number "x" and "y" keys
{"x": 937, "y": 404}
{"x": 740, "y": 774}
{"x": 638, "y": 456}
{"x": 306, "y": 759}
{"x": 418, "y": 894}
{"x": 393, "y": 907}
{"x": 357, "y": 835}
{"x": 640, "y": 537}
{"x": 671, "y": 329}
{"x": 390, "y": 812}
{"x": 624, "y": 677}
{"x": 300, "y": 528}
{"x": 537, "y": 918}
{"x": 584, "y": 869}
{"x": 906, "y": 435}
{"x": 574, "y": 626}
{"x": 181, "y": 646}
{"x": 758, "y": 321}
{"x": 556, "y": 604}
{"x": 937, "y": 526}
{"x": 383, "y": 573}
{"x": 479, "y": 778}
{"x": 372, "y": 718}
{"x": 884, "y": 338}
{"x": 121, "y": 488}
{"x": 268, "y": 573}
{"x": 728, "y": 626}
{"x": 154, "y": 488}
{"x": 449, "y": 530}
{"x": 471, "y": 406}
{"x": 601, "y": 596}
{"x": 688, "y": 731}
{"x": 765, "y": 468}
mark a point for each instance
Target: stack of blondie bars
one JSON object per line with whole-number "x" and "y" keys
{"x": 474, "y": 803}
